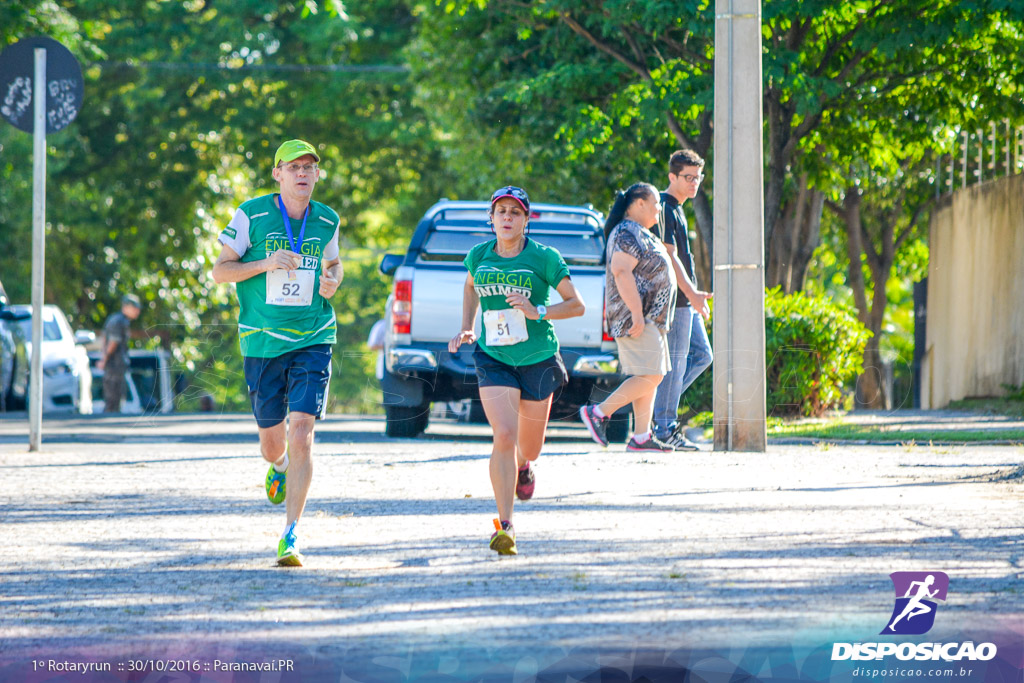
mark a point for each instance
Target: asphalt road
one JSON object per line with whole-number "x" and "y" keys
{"x": 151, "y": 537}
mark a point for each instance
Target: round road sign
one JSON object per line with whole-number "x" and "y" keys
{"x": 64, "y": 84}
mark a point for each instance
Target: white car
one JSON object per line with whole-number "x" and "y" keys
{"x": 67, "y": 380}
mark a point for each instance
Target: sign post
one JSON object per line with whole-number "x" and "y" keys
{"x": 35, "y": 392}
{"x": 39, "y": 76}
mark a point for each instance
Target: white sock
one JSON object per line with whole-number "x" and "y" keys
{"x": 598, "y": 413}
{"x": 642, "y": 438}
{"x": 283, "y": 463}
{"x": 290, "y": 527}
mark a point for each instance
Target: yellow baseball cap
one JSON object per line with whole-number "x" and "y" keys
{"x": 293, "y": 149}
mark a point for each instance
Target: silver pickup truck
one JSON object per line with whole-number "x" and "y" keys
{"x": 424, "y": 311}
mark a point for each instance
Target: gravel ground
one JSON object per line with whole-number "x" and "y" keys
{"x": 142, "y": 535}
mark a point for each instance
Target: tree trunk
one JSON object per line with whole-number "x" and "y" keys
{"x": 778, "y": 137}
{"x": 870, "y": 382}
{"x": 796, "y": 235}
{"x": 792, "y": 227}
{"x": 703, "y": 247}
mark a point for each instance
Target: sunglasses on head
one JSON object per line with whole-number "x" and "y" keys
{"x": 510, "y": 191}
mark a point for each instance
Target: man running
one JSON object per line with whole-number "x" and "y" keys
{"x": 281, "y": 251}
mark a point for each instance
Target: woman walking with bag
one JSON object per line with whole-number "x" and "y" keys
{"x": 640, "y": 292}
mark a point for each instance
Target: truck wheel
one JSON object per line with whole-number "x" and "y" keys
{"x": 406, "y": 422}
{"x": 423, "y": 420}
{"x": 476, "y": 412}
{"x": 619, "y": 427}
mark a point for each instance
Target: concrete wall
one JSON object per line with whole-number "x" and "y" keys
{"x": 975, "y": 329}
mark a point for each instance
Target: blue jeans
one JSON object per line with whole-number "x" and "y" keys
{"x": 690, "y": 350}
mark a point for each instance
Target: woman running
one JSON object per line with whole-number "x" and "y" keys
{"x": 518, "y": 366}
{"x": 640, "y": 294}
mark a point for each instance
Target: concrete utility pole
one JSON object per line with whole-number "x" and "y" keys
{"x": 739, "y": 341}
{"x": 35, "y": 393}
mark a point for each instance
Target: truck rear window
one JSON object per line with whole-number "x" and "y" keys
{"x": 579, "y": 243}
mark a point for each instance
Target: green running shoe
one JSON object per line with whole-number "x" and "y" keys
{"x": 503, "y": 540}
{"x": 288, "y": 554}
{"x": 275, "y": 485}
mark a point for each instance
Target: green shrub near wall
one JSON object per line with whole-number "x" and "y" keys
{"x": 814, "y": 349}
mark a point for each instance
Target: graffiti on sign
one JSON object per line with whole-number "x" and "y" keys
{"x": 61, "y": 105}
{"x": 64, "y": 85}
{"x": 17, "y": 99}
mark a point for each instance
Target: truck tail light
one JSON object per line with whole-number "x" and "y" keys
{"x": 604, "y": 325}
{"x": 401, "y": 307}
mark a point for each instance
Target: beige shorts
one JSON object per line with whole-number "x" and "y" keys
{"x": 646, "y": 354}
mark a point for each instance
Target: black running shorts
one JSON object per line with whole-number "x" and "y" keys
{"x": 535, "y": 382}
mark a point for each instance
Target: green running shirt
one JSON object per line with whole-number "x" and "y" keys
{"x": 256, "y": 231}
{"x": 534, "y": 272}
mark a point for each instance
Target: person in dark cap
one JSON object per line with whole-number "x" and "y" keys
{"x": 114, "y": 362}
{"x": 281, "y": 251}
{"x": 518, "y": 364}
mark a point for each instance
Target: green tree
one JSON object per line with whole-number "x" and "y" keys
{"x": 881, "y": 215}
{"x": 883, "y": 176}
{"x": 184, "y": 105}
{"x": 23, "y": 18}
{"x": 621, "y": 83}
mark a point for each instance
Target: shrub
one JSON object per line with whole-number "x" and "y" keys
{"x": 814, "y": 347}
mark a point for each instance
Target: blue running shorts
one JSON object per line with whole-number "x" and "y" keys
{"x": 294, "y": 381}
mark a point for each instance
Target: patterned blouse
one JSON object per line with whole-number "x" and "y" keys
{"x": 654, "y": 276}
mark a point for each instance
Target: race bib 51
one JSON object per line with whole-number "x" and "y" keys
{"x": 505, "y": 327}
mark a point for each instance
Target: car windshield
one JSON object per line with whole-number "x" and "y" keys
{"x": 51, "y": 330}
{"x": 577, "y": 239}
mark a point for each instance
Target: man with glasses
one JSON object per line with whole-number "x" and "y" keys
{"x": 688, "y": 342}
{"x": 281, "y": 251}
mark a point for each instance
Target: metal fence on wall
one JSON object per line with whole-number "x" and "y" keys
{"x": 994, "y": 151}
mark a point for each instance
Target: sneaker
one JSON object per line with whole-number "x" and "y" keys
{"x": 288, "y": 554}
{"x": 525, "y": 483}
{"x": 503, "y": 540}
{"x": 677, "y": 439}
{"x": 275, "y": 486}
{"x": 652, "y": 445}
{"x": 595, "y": 425}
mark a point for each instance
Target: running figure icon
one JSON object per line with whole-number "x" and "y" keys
{"x": 916, "y": 595}
{"x": 915, "y": 607}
